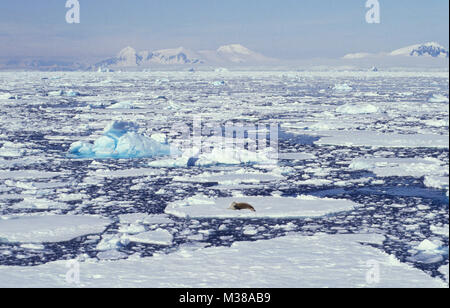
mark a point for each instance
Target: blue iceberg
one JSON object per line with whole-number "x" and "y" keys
{"x": 121, "y": 140}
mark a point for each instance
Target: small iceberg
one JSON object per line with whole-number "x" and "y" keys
{"x": 430, "y": 252}
{"x": 374, "y": 69}
{"x": 121, "y": 140}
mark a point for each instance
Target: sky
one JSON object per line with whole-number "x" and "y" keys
{"x": 284, "y": 29}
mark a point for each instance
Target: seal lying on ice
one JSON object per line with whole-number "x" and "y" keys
{"x": 241, "y": 206}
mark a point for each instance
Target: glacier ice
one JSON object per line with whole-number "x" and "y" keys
{"x": 121, "y": 140}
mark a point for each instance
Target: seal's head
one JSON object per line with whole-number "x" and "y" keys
{"x": 233, "y": 206}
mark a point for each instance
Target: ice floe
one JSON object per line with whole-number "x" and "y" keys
{"x": 374, "y": 139}
{"x": 157, "y": 237}
{"x": 386, "y": 167}
{"x": 49, "y": 228}
{"x": 357, "y": 109}
{"x": 218, "y": 156}
{"x": 342, "y": 88}
{"x": 315, "y": 261}
{"x": 266, "y": 207}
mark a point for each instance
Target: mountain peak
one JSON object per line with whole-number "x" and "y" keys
{"x": 234, "y": 48}
{"x": 432, "y": 49}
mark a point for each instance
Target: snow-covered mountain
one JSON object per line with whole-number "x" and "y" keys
{"x": 229, "y": 54}
{"x": 128, "y": 57}
{"x": 430, "y": 49}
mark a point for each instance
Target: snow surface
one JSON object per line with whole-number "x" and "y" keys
{"x": 49, "y": 228}
{"x": 267, "y": 207}
{"x": 291, "y": 261}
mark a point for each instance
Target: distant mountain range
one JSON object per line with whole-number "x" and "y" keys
{"x": 431, "y": 49}
{"x": 229, "y": 54}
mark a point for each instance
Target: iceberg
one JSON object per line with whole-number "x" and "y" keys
{"x": 121, "y": 140}
{"x": 430, "y": 252}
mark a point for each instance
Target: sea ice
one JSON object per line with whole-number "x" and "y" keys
{"x": 342, "y": 88}
{"x": 157, "y": 237}
{"x": 386, "y": 167}
{"x": 374, "y": 139}
{"x": 357, "y": 109}
{"x": 217, "y": 156}
{"x": 266, "y": 207}
{"x": 438, "y": 98}
{"x": 49, "y": 228}
{"x": 337, "y": 261}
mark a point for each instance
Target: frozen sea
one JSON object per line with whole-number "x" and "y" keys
{"x": 360, "y": 184}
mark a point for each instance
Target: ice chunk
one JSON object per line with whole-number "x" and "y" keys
{"x": 266, "y": 207}
{"x": 121, "y": 140}
{"x": 157, "y": 237}
{"x": 429, "y": 252}
{"x": 122, "y": 105}
{"x": 218, "y": 156}
{"x": 111, "y": 242}
{"x": 49, "y": 228}
{"x": 438, "y": 98}
{"x": 357, "y": 109}
{"x": 342, "y": 87}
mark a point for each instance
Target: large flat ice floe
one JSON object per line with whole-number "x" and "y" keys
{"x": 266, "y": 207}
{"x": 49, "y": 228}
{"x": 374, "y": 139}
{"x": 415, "y": 167}
{"x": 121, "y": 140}
{"x": 292, "y": 261}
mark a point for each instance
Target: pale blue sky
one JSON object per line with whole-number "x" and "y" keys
{"x": 286, "y": 29}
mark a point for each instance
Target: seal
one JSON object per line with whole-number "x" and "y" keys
{"x": 241, "y": 206}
